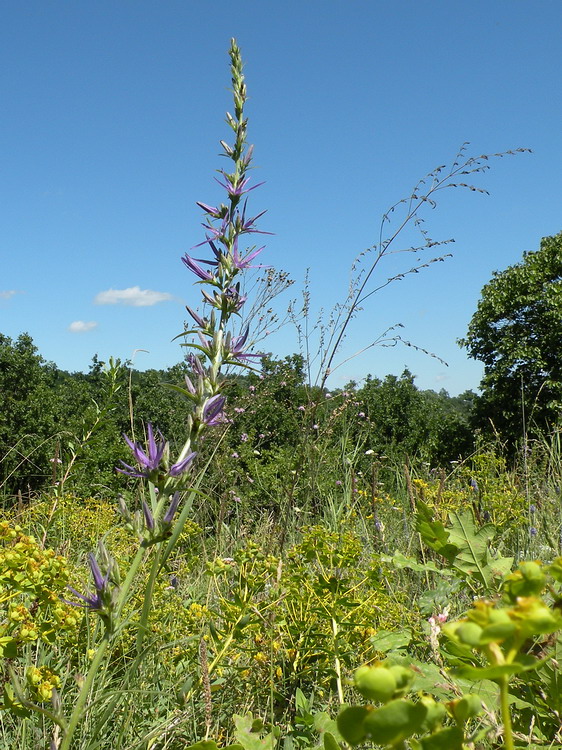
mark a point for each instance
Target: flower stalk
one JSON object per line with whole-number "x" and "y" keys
{"x": 214, "y": 348}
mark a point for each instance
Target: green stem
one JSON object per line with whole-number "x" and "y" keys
{"x": 84, "y": 692}
{"x": 147, "y": 603}
{"x": 76, "y": 715}
{"x": 337, "y": 663}
{"x": 506, "y": 715}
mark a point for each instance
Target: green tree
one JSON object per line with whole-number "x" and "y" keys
{"x": 516, "y": 332}
{"x": 27, "y": 407}
{"x": 404, "y": 421}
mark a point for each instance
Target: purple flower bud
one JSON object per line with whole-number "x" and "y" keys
{"x": 196, "y": 269}
{"x": 181, "y": 466}
{"x": 213, "y": 411}
{"x": 195, "y": 364}
{"x": 148, "y": 517}
{"x": 197, "y": 318}
{"x": 171, "y": 512}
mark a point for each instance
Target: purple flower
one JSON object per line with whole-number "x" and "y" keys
{"x": 244, "y": 437}
{"x": 197, "y": 318}
{"x": 241, "y": 263}
{"x": 96, "y": 601}
{"x": 195, "y": 364}
{"x": 213, "y": 411}
{"x": 236, "y": 348}
{"x": 237, "y": 190}
{"x": 190, "y": 387}
{"x": 302, "y": 408}
{"x": 532, "y": 509}
{"x": 171, "y": 512}
{"x": 180, "y": 466}
{"x": 474, "y": 485}
{"x": 196, "y": 269}
{"x": 148, "y": 517}
{"x": 216, "y": 213}
{"x": 150, "y": 459}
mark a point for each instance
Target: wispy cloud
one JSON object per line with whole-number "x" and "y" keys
{"x": 134, "y": 296}
{"x": 8, "y": 293}
{"x": 81, "y": 326}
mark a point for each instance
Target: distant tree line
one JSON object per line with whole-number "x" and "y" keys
{"x": 51, "y": 420}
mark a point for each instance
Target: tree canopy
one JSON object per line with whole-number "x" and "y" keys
{"x": 516, "y": 332}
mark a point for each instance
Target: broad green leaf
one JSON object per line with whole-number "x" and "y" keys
{"x": 330, "y": 742}
{"x": 450, "y": 738}
{"x": 473, "y": 545}
{"x": 394, "y": 722}
{"x": 390, "y": 640}
{"x": 350, "y": 724}
{"x": 400, "y": 561}
{"x": 433, "y": 533}
{"x": 489, "y": 673}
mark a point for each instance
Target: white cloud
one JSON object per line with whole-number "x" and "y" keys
{"x": 134, "y": 296}
{"x": 81, "y": 326}
{"x": 8, "y": 294}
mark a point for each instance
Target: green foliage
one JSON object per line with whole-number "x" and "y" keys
{"x": 516, "y": 332}
{"x": 404, "y": 421}
{"x": 465, "y": 547}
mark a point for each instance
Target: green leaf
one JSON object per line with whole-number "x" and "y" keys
{"x": 450, "y": 738}
{"x": 246, "y": 735}
{"x": 350, "y": 724}
{"x": 390, "y": 640}
{"x": 401, "y": 561}
{"x": 473, "y": 545}
{"x": 490, "y": 673}
{"x": 394, "y": 722}
{"x": 330, "y": 742}
{"x": 433, "y": 533}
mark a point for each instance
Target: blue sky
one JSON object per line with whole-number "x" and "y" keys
{"x": 111, "y": 117}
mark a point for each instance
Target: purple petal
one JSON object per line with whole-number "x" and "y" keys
{"x": 197, "y": 318}
{"x": 148, "y": 517}
{"x": 179, "y": 467}
{"x": 213, "y": 410}
{"x": 171, "y": 512}
{"x": 196, "y": 269}
{"x": 100, "y": 581}
{"x": 208, "y": 209}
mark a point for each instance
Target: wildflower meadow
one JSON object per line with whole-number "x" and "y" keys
{"x": 234, "y": 554}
